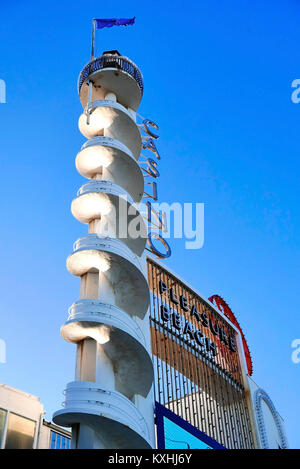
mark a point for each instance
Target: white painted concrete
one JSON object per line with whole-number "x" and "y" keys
{"x": 110, "y": 80}
{"x": 112, "y": 161}
{"x": 110, "y": 405}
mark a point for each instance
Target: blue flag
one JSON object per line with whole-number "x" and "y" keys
{"x": 108, "y": 23}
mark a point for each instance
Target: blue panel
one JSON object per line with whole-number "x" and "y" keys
{"x": 52, "y": 444}
{"x": 58, "y": 439}
{"x": 175, "y": 433}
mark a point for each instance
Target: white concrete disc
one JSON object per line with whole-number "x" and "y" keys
{"x": 112, "y": 159}
{"x": 93, "y": 253}
{"x": 121, "y": 339}
{"x": 114, "y": 418}
{"x": 108, "y": 201}
{"x": 119, "y": 82}
{"x": 111, "y": 119}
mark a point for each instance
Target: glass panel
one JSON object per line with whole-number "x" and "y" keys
{"x": 177, "y": 437}
{"x": 59, "y": 441}
{"x": 20, "y": 432}
{"x": 52, "y": 445}
{"x": 2, "y": 422}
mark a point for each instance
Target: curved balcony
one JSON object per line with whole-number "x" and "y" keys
{"x": 113, "y": 73}
{"x": 94, "y": 253}
{"x": 111, "y": 119}
{"x": 121, "y": 338}
{"x": 114, "y": 418}
{"x": 114, "y": 161}
{"x": 114, "y": 207}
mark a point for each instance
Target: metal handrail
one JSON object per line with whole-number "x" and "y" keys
{"x": 111, "y": 61}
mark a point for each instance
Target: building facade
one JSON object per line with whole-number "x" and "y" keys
{"x": 205, "y": 397}
{"x": 22, "y": 424}
{"x": 198, "y": 362}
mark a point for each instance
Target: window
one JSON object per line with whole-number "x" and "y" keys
{"x": 59, "y": 441}
{"x": 2, "y": 423}
{"x": 52, "y": 444}
{"x": 20, "y": 432}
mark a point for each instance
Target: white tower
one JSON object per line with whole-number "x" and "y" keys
{"x": 110, "y": 403}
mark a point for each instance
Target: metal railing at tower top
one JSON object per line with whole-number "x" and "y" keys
{"x": 111, "y": 61}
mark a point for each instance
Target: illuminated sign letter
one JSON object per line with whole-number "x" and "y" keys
{"x": 160, "y": 217}
{"x": 199, "y": 337}
{"x": 188, "y": 330}
{"x": 154, "y": 190}
{"x": 211, "y": 346}
{"x": 232, "y": 344}
{"x": 152, "y": 168}
{"x": 173, "y": 296}
{"x": 184, "y": 303}
{"x": 162, "y": 287}
{"x": 164, "y": 312}
{"x": 223, "y": 336}
{"x": 159, "y": 254}
{"x": 196, "y": 313}
{"x": 214, "y": 327}
{"x": 150, "y": 145}
{"x": 177, "y": 322}
{"x": 146, "y": 123}
{"x": 204, "y": 319}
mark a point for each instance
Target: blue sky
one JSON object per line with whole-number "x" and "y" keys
{"x": 218, "y": 80}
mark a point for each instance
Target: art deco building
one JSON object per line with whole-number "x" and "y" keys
{"x": 136, "y": 323}
{"x": 110, "y": 402}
